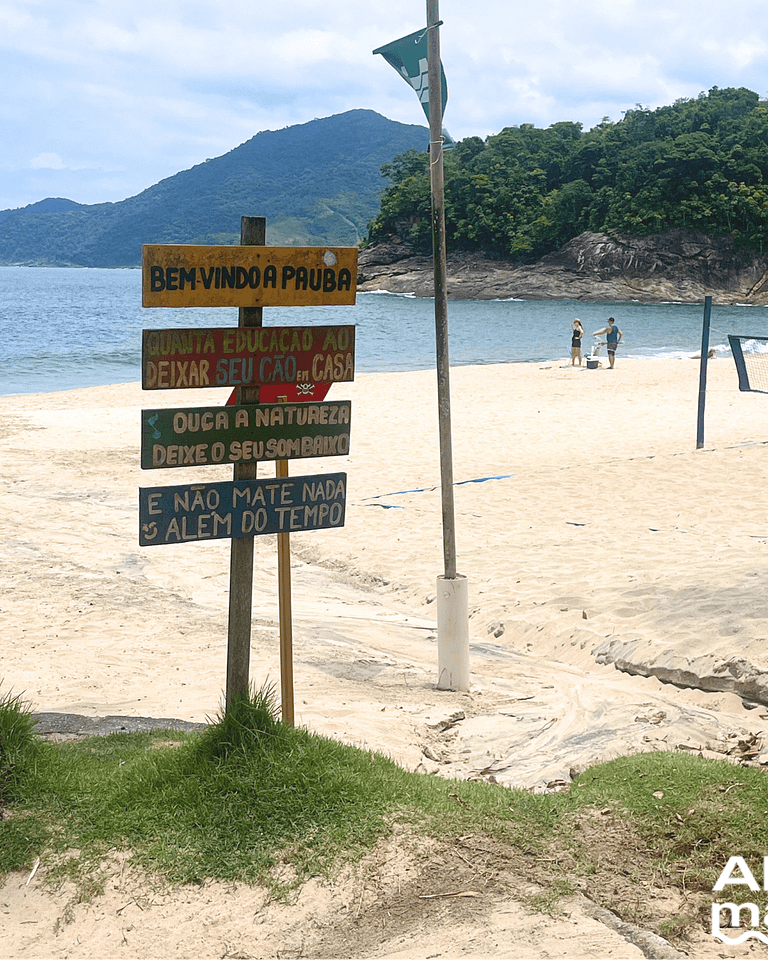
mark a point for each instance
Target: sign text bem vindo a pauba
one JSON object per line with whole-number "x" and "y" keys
{"x": 186, "y": 275}
{"x": 176, "y": 359}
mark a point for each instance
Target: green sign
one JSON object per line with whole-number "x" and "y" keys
{"x": 200, "y": 436}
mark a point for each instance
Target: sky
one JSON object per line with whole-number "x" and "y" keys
{"x": 103, "y": 98}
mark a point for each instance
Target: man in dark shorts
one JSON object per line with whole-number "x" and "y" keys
{"x": 612, "y": 338}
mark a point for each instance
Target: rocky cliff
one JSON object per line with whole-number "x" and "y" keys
{"x": 676, "y": 266}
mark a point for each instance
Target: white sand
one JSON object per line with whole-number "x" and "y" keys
{"x": 596, "y": 519}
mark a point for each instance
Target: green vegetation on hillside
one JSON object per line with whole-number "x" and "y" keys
{"x": 316, "y": 183}
{"x": 700, "y": 165}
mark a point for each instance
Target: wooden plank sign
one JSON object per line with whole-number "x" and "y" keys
{"x": 241, "y": 508}
{"x": 185, "y": 275}
{"x": 244, "y": 434}
{"x": 246, "y": 356}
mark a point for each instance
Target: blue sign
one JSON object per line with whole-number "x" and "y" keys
{"x": 241, "y": 508}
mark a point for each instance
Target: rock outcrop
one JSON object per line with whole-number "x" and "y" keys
{"x": 673, "y": 266}
{"x": 710, "y": 672}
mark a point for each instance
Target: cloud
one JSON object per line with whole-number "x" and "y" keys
{"x": 47, "y": 161}
{"x": 130, "y": 93}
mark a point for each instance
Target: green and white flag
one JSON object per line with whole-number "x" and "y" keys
{"x": 408, "y": 56}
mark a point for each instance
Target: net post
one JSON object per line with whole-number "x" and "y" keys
{"x": 703, "y": 372}
{"x": 738, "y": 359}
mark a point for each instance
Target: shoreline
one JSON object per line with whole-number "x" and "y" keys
{"x": 722, "y": 353}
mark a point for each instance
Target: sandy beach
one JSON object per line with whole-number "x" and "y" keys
{"x": 590, "y": 527}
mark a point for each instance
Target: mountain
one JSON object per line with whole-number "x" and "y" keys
{"x": 316, "y": 183}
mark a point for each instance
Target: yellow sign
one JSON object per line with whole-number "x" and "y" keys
{"x": 185, "y": 275}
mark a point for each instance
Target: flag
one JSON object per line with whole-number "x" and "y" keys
{"x": 408, "y": 56}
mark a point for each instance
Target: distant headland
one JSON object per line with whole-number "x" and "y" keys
{"x": 673, "y": 266}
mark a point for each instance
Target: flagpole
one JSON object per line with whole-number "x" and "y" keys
{"x": 452, "y": 588}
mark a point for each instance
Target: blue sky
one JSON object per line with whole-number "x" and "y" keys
{"x": 102, "y": 98}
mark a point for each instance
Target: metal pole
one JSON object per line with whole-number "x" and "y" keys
{"x": 253, "y": 232}
{"x": 437, "y": 179}
{"x": 703, "y": 372}
{"x": 452, "y": 588}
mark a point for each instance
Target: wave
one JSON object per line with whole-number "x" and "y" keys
{"x": 387, "y": 293}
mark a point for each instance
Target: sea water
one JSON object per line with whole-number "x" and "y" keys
{"x": 65, "y": 328}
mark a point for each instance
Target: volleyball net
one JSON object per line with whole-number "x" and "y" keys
{"x": 750, "y": 355}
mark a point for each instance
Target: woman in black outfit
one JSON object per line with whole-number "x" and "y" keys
{"x": 578, "y": 332}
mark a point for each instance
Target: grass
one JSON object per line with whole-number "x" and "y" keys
{"x": 250, "y": 799}
{"x": 17, "y": 746}
{"x": 698, "y": 810}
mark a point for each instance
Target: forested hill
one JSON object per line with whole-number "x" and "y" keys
{"x": 698, "y": 165}
{"x": 317, "y": 183}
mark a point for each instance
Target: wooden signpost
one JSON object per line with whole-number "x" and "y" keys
{"x": 270, "y": 431}
{"x": 293, "y": 365}
{"x": 184, "y": 275}
{"x": 241, "y": 508}
{"x": 256, "y": 356}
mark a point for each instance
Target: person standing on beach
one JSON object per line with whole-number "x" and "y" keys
{"x": 578, "y": 333}
{"x": 613, "y": 338}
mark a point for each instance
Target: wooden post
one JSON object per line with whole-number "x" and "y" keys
{"x": 703, "y": 372}
{"x": 285, "y": 614}
{"x": 452, "y": 588}
{"x": 285, "y": 609}
{"x": 253, "y": 231}
{"x": 437, "y": 178}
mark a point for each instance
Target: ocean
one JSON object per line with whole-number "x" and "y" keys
{"x": 66, "y": 328}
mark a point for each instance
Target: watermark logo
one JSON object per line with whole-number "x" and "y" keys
{"x": 744, "y": 877}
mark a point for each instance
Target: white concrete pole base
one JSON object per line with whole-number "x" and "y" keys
{"x": 453, "y": 633}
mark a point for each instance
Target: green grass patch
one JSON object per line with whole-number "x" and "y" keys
{"x": 694, "y": 813}
{"x": 251, "y": 799}
{"x": 243, "y": 800}
{"x": 17, "y": 746}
